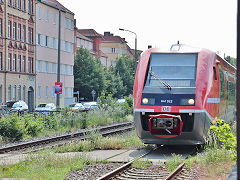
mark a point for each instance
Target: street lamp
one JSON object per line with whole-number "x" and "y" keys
{"x": 59, "y": 45}
{"x": 135, "y": 51}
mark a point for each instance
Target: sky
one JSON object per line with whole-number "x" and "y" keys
{"x": 207, "y": 24}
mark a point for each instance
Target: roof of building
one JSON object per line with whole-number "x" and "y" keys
{"x": 112, "y": 38}
{"x": 89, "y": 33}
{"x": 55, "y": 4}
{"x": 79, "y": 35}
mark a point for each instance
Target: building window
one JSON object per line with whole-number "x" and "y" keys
{"x": 53, "y": 92}
{"x": 39, "y": 39}
{"x": 14, "y": 30}
{"x": 47, "y": 17}
{"x": 54, "y": 18}
{"x": 30, "y": 6}
{"x": 46, "y": 91}
{"x": 39, "y": 92}
{"x": 19, "y": 32}
{"x": 24, "y": 93}
{"x": 39, "y": 13}
{"x": 46, "y": 42}
{"x": 72, "y": 25}
{"x": 9, "y": 93}
{"x": 30, "y": 35}
{"x": 24, "y": 5}
{"x": 66, "y": 46}
{"x": 71, "y": 47}
{"x": 0, "y": 27}
{"x": 46, "y": 67}
{"x": 9, "y": 61}
{"x": 24, "y": 33}
{"x": 19, "y": 4}
{"x": 14, "y": 93}
{"x": 19, "y": 93}
{"x": 54, "y": 43}
{"x": 9, "y": 29}
{"x": 14, "y": 3}
{"x": 66, "y": 23}
{"x": 30, "y": 65}
{"x": 113, "y": 50}
{"x": 14, "y": 62}
{"x": 1, "y": 61}
{"x": 9, "y": 2}
{"x": 19, "y": 63}
{"x": 24, "y": 64}
{"x": 1, "y": 92}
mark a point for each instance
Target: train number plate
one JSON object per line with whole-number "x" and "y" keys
{"x": 166, "y": 109}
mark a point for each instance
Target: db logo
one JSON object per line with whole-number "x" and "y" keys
{"x": 166, "y": 108}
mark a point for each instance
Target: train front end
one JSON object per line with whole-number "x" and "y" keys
{"x": 166, "y": 107}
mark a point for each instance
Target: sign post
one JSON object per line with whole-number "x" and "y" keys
{"x": 93, "y": 94}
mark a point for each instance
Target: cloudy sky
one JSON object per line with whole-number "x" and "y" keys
{"x": 203, "y": 23}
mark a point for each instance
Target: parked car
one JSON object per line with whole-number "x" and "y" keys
{"x": 90, "y": 105}
{"x": 77, "y": 107}
{"x": 16, "y": 106}
{"x": 45, "y": 107}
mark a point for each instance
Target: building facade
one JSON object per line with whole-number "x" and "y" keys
{"x": 47, "y": 28}
{"x": 17, "y": 51}
{"x": 97, "y": 40}
{"x": 114, "y": 47}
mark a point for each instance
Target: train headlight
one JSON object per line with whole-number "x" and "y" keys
{"x": 145, "y": 100}
{"x": 191, "y": 101}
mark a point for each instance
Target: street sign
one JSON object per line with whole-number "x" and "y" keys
{"x": 93, "y": 94}
{"x": 58, "y": 87}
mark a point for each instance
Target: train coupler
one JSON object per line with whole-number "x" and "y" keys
{"x": 165, "y": 125}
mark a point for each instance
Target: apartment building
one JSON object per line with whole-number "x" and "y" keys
{"x": 96, "y": 47}
{"x": 114, "y": 47}
{"x": 47, "y": 28}
{"x": 17, "y": 51}
{"x": 82, "y": 41}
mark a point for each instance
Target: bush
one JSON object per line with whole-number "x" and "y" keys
{"x": 225, "y": 137}
{"x": 11, "y": 127}
{"x": 33, "y": 125}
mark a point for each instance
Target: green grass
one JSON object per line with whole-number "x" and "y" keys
{"x": 141, "y": 164}
{"x": 96, "y": 141}
{"x": 44, "y": 166}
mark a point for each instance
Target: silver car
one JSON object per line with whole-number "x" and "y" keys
{"x": 77, "y": 107}
{"x": 45, "y": 107}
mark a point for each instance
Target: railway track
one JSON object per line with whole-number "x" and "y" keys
{"x": 64, "y": 138}
{"x": 128, "y": 172}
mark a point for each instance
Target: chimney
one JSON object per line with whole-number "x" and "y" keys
{"x": 149, "y": 46}
{"x": 107, "y": 33}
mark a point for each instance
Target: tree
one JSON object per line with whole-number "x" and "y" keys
{"x": 125, "y": 69}
{"x": 231, "y": 60}
{"x": 114, "y": 84}
{"x": 88, "y": 74}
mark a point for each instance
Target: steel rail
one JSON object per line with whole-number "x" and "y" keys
{"x": 81, "y": 134}
{"x": 122, "y": 168}
{"x": 175, "y": 172}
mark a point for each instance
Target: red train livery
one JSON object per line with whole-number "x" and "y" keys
{"x": 177, "y": 94}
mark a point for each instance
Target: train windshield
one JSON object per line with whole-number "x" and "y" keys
{"x": 176, "y": 69}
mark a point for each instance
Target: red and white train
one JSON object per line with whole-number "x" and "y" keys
{"x": 177, "y": 94}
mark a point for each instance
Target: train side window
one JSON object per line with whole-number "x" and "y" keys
{"x": 222, "y": 83}
{"x": 214, "y": 72}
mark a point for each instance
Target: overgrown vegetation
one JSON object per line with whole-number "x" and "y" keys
{"x": 97, "y": 142}
{"x": 219, "y": 154}
{"x": 44, "y": 166}
{"x": 141, "y": 163}
{"x": 14, "y": 127}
